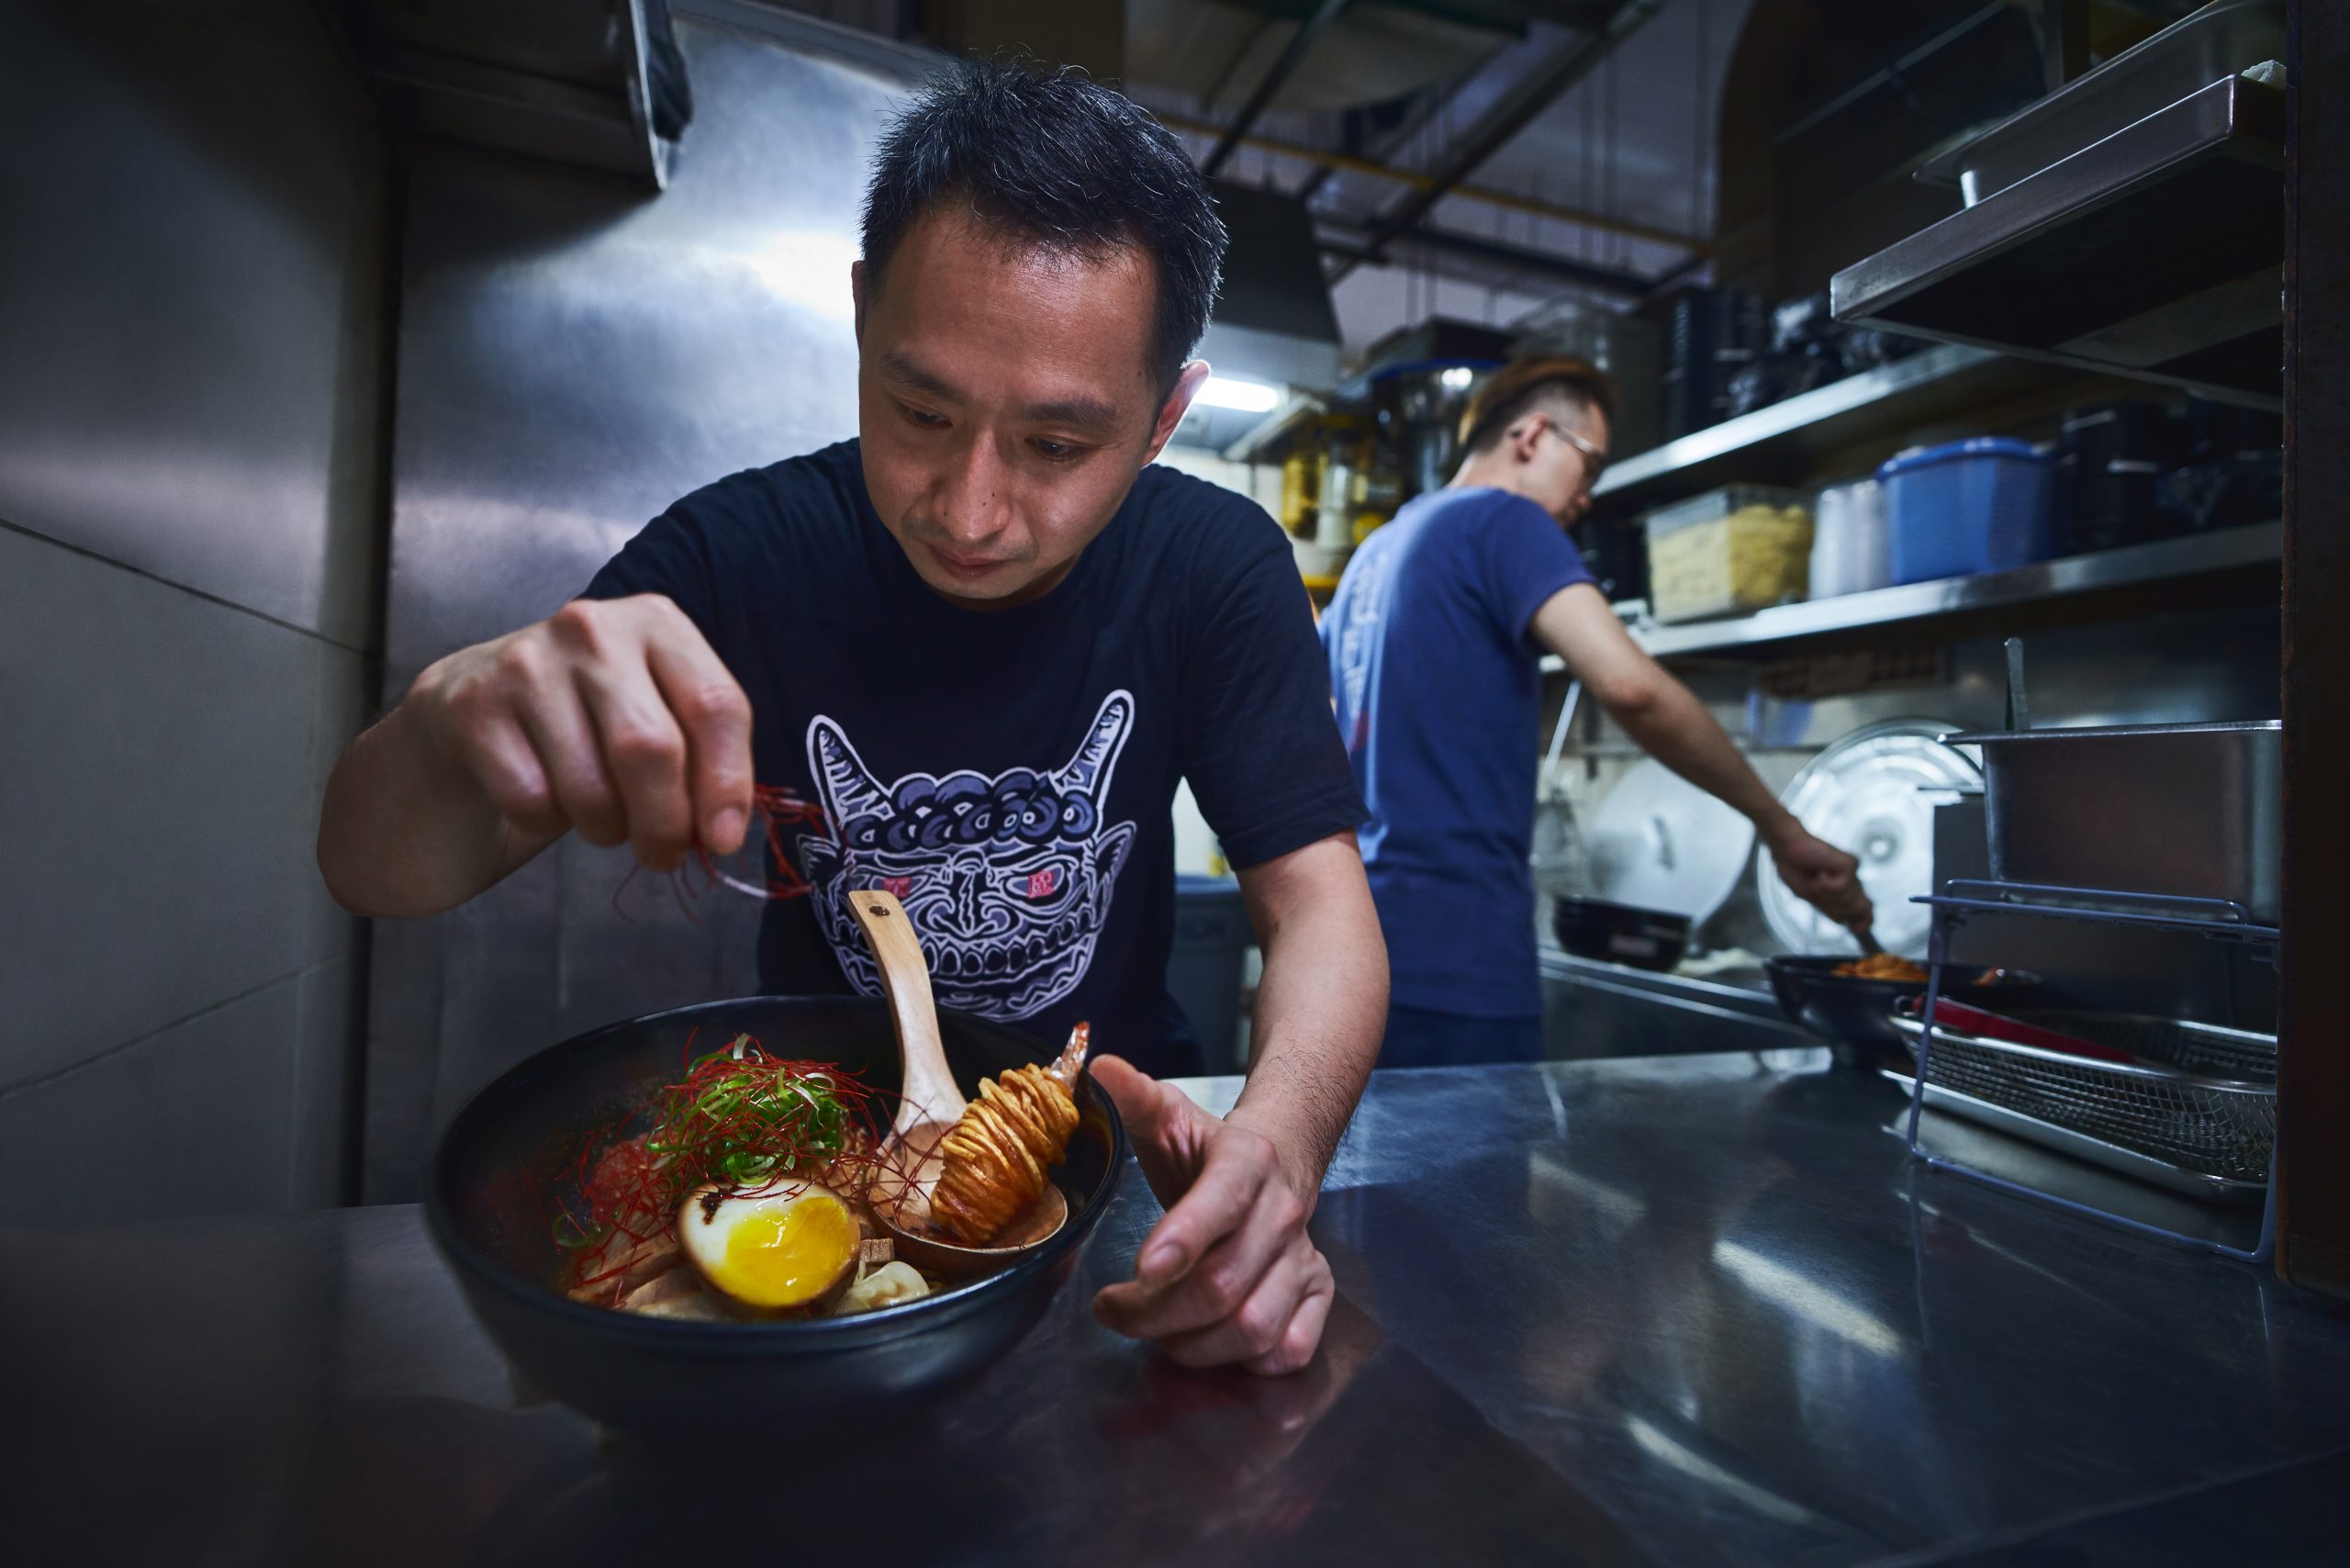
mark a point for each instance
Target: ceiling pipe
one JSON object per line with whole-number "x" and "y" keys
{"x": 1329, "y": 158}
{"x": 1352, "y": 249}
{"x": 1291, "y": 56}
{"x": 1431, "y": 104}
{"x": 1509, "y": 114}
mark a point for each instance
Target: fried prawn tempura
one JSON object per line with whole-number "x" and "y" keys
{"x": 996, "y": 1156}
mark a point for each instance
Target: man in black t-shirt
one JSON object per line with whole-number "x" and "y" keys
{"x": 977, "y": 648}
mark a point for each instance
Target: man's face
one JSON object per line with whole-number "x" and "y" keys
{"x": 1004, "y": 403}
{"x": 1561, "y": 472}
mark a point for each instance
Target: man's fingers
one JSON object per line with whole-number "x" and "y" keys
{"x": 1226, "y": 1277}
{"x": 1134, "y": 1093}
{"x": 1149, "y": 1108}
{"x": 1254, "y": 1326}
{"x": 645, "y": 757}
{"x": 715, "y": 718}
{"x": 485, "y": 738}
{"x": 1219, "y": 1203}
{"x": 565, "y": 739}
{"x": 1303, "y": 1335}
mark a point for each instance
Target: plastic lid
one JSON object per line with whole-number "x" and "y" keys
{"x": 1658, "y": 842}
{"x": 1950, "y": 452}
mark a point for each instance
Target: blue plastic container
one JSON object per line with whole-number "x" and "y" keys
{"x": 1970, "y": 506}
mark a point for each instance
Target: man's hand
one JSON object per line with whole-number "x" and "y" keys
{"x": 613, "y": 718}
{"x": 1822, "y": 876}
{"x": 1229, "y": 1273}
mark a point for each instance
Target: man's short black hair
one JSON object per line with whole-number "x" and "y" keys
{"x": 1063, "y": 162}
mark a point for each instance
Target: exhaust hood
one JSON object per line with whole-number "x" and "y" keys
{"x": 594, "y": 83}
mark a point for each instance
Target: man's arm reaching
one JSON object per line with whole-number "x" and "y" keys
{"x": 1230, "y": 1274}
{"x": 1672, "y": 725}
{"x": 612, "y": 717}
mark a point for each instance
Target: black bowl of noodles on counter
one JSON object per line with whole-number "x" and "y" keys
{"x": 539, "y": 1190}
{"x": 1849, "y": 1003}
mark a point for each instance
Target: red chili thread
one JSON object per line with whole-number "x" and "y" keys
{"x": 774, "y": 808}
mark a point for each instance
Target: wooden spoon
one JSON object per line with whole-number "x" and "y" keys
{"x": 930, "y": 1107}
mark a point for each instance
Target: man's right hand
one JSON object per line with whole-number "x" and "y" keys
{"x": 614, "y": 718}
{"x": 611, "y": 717}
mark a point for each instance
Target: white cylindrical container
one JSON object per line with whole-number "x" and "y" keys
{"x": 1832, "y": 549}
{"x": 1870, "y": 536}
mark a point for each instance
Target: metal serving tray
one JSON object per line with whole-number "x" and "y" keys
{"x": 2196, "y": 1113}
{"x": 2190, "y": 811}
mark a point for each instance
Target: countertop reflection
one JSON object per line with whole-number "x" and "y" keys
{"x": 1687, "y": 1310}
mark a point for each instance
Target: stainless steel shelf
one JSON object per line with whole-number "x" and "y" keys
{"x": 2181, "y": 562}
{"x": 2082, "y": 264}
{"x": 1785, "y": 442}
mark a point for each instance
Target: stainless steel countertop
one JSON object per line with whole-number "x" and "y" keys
{"x": 1689, "y": 1310}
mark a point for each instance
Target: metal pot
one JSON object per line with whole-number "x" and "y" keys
{"x": 2181, "y": 811}
{"x": 486, "y": 1205}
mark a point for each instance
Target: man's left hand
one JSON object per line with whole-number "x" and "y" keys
{"x": 1228, "y": 1274}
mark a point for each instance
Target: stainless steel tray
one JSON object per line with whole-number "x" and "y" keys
{"x": 2195, "y": 1113}
{"x": 2190, "y": 811}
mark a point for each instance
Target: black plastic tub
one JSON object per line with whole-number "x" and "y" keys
{"x": 1620, "y": 934}
{"x": 498, "y": 1166}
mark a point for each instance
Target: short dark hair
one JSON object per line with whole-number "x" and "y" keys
{"x": 1063, "y": 162}
{"x": 1515, "y": 387}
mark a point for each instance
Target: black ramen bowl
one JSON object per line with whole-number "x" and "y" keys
{"x": 501, "y": 1163}
{"x": 1856, "y": 1015}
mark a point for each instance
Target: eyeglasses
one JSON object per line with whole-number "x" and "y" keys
{"x": 1595, "y": 460}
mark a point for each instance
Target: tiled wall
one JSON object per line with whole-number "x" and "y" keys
{"x": 191, "y": 343}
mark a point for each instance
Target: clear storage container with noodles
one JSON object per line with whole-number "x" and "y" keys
{"x": 1729, "y": 551}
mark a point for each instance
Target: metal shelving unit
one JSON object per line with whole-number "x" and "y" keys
{"x": 1786, "y": 443}
{"x": 2185, "y": 567}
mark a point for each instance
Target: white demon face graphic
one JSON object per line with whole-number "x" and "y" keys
{"x": 1007, "y": 878}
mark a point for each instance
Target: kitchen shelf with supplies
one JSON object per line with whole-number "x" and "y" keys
{"x": 1878, "y": 410}
{"x": 2197, "y": 569}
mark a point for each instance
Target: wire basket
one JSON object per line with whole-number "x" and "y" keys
{"x": 2198, "y": 1097}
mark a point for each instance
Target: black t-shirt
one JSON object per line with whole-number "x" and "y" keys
{"x": 1009, "y": 773}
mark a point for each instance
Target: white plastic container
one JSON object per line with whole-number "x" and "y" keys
{"x": 1851, "y": 549}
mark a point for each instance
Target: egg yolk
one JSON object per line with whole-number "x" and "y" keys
{"x": 789, "y": 1257}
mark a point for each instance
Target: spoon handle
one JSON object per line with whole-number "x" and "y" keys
{"x": 929, "y": 1091}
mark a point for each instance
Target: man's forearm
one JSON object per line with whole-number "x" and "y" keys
{"x": 1321, "y": 1009}
{"x": 1678, "y": 730}
{"x": 402, "y": 831}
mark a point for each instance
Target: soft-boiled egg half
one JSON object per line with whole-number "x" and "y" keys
{"x": 775, "y": 1248}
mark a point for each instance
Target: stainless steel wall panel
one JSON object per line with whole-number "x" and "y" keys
{"x": 191, "y": 1120}
{"x": 190, "y": 297}
{"x": 330, "y": 1016}
{"x": 573, "y": 356}
{"x": 191, "y": 343}
{"x": 158, "y": 796}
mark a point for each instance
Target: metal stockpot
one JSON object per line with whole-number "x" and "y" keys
{"x": 2186, "y": 811}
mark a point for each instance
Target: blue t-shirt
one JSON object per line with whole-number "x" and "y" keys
{"x": 1439, "y": 695}
{"x": 1010, "y": 774}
